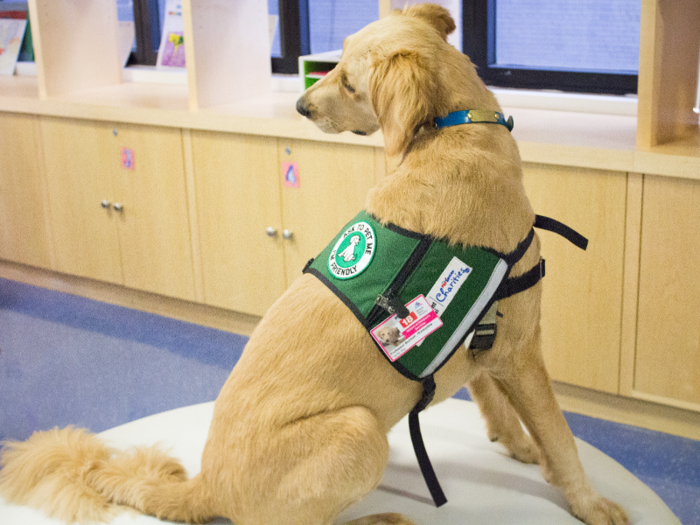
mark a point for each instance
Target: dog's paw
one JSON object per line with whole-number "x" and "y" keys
{"x": 601, "y": 511}
{"x": 382, "y": 519}
{"x": 520, "y": 447}
{"x": 525, "y": 451}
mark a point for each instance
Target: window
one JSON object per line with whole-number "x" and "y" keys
{"x": 569, "y": 45}
{"x": 330, "y": 21}
{"x": 315, "y": 26}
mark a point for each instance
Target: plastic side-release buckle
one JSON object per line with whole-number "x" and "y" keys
{"x": 485, "y": 332}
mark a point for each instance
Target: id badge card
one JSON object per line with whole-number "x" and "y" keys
{"x": 397, "y": 336}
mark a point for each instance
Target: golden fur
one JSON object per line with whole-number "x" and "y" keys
{"x": 299, "y": 428}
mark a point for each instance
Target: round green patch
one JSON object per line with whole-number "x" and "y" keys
{"x": 353, "y": 252}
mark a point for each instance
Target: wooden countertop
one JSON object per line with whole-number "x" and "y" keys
{"x": 544, "y": 136}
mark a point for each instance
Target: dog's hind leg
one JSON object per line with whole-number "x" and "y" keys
{"x": 502, "y": 422}
{"x": 309, "y": 470}
{"x": 527, "y": 385}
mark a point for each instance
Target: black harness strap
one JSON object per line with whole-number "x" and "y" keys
{"x": 426, "y": 467}
{"x": 514, "y": 285}
{"x": 521, "y": 283}
{"x": 552, "y": 225}
{"x": 510, "y": 286}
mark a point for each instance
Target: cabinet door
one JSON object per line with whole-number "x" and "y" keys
{"x": 332, "y": 189}
{"x": 668, "y": 333}
{"x": 78, "y": 175}
{"x": 148, "y": 178}
{"x": 23, "y": 227}
{"x": 582, "y": 291}
{"x": 238, "y": 199}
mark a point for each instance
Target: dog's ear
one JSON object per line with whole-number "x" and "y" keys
{"x": 401, "y": 89}
{"x": 436, "y": 15}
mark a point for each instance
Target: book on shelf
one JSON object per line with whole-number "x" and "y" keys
{"x": 11, "y": 35}
{"x": 18, "y": 11}
{"x": 172, "y": 44}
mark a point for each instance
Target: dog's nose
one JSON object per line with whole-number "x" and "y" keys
{"x": 302, "y": 108}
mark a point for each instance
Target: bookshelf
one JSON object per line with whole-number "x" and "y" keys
{"x": 228, "y": 55}
{"x": 76, "y": 46}
{"x": 77, "y": 49}
{"x": 668, "y": 74}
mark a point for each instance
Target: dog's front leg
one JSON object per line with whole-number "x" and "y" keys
{"x": 527, "y": 385}
{"x": 502, "y": 422}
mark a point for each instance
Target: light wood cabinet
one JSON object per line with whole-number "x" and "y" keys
{"x": 118, "y": 204}
{"x": 667, "y": 360}
{"x": 23, "y": 227}
{"x": 257, "y": 233}
{"x": 86, "y": 241}
{"x": 238, "y": 199}
{"x": 333, "y": 186}
{"x": 582, "y": 294}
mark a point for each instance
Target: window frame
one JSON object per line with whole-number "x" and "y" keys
{"x": 295, "y": 39}
{"x": 479, "y": 44}
{"x": 143, "y": 25}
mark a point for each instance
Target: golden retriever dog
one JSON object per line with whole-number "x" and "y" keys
{"x": 299, "y": 428}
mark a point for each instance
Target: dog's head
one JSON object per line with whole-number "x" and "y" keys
{"x": 393, "y": 75}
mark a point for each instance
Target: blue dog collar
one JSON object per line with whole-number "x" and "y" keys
{"x": 474, "y": 116}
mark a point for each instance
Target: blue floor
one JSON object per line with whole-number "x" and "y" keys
{"x": 68, "y": 360}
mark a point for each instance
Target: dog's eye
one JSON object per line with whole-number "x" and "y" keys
{"x": 349, "y": 88}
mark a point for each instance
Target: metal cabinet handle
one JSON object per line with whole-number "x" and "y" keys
{"x": 287, "y": 234}
{"x": 270, "y": 231}
{"x": 118, "y": 207}
{"x": 106, "y": 204}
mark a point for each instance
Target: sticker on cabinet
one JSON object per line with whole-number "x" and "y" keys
{"x": 290, "y": 171}
{"x": 127, "y": 158}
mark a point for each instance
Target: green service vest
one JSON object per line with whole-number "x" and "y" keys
{"x": 420, "y": 297}
{"x": 381, "y": 272}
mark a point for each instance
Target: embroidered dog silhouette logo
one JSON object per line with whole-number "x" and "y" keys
{"x": 348, "y": 254}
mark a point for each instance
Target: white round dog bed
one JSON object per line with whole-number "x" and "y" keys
{"x": 483, "y": 485}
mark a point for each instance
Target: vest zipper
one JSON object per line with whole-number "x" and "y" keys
{"x": 390, "y": 302}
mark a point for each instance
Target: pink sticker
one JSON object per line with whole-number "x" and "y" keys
{"x": 290, "y": 172}
{"x": 128, "y": 158}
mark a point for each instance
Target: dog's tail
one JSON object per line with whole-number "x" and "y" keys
{"x": 71, "y": 475}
